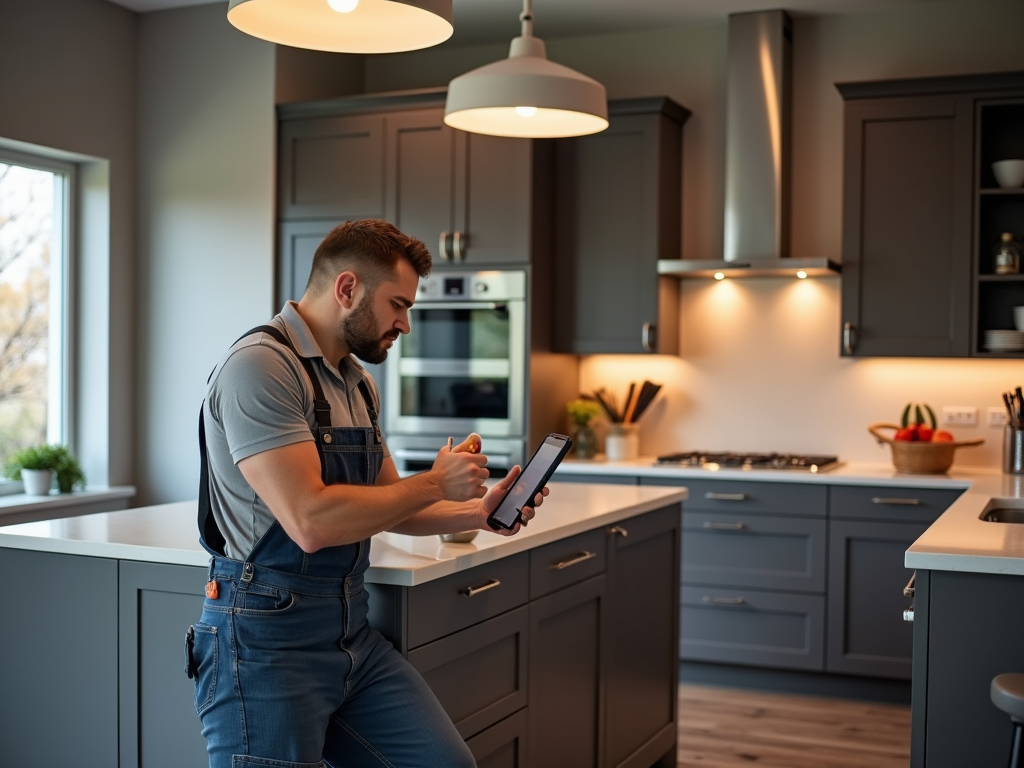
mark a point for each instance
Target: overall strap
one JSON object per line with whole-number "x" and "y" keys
{"x": 208, "y": 530}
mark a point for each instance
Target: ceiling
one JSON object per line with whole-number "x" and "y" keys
{"x": 482, "y": 21}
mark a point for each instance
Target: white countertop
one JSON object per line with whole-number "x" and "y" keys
{"x": 167, "y": 533}
{"x": 22, "y": 507}
{"x": 958, "y": 541}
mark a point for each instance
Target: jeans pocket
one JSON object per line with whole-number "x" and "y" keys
{"x": 205, "y": 654}
{"x": 248, "y": 761}
{"x": 260, "y": 600}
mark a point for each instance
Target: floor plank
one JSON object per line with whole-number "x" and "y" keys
{"x": 726, "y": 727}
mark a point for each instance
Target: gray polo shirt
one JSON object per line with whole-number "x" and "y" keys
{"x": 260, "y": 398}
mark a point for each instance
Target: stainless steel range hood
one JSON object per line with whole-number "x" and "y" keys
{"x": 756, "y": 158}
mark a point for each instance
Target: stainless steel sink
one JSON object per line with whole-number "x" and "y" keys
{"x": 1003, "y": 515}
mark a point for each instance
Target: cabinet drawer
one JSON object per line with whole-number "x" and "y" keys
{"x": 744, "y": 496}
{"x": 750, "y": 627}
{"x": 566, "y": 562}
{"x": 503, "y": 745}
{"x": 478, "y": 674}
{"x": 889, "y": 503}
{"x": 454, "y": 602}
{"x": 760, "y": 551}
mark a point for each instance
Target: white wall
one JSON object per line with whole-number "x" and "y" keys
{"x": 206, "y": 224}
{"x": 69, "y": 85}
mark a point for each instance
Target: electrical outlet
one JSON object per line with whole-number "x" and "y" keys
{"x": 960, "y": 415}
{"x": 997, "y": 417}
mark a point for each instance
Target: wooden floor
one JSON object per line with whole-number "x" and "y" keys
{"x": 725, "y": 727}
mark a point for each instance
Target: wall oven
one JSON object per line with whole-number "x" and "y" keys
{"x": 462, "y": 368}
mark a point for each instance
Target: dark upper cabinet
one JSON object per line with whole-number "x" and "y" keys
{"x": 906, "y": 227}
{"x": 922, "y": 212}
{"x": 617, "y": 211}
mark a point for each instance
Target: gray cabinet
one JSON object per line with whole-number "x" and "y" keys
{"x": 617, "y": 211}
{"x": 156, "y": 604}
{"x": 871, "y": 529}
{"x": 58, "y": 661}
{"x": 503, "y": 745}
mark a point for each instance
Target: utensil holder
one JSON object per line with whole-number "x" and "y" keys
{"x": 1013, "y": 451}
{"x": 622, "y": 443}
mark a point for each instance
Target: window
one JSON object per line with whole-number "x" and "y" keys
{"x": 34, "y": 299}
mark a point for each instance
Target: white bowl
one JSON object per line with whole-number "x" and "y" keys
{"x": 1009, "y": 173}
{"x": 1018, "y": 318}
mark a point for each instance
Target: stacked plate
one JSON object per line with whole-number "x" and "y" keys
{"x": 1004, "y": 341}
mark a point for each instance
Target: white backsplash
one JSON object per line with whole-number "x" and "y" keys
{"x": 759, "y": 370}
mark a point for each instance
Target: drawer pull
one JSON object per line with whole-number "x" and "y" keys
{"x": 724, "y": 526}
{"x": 725, "y": 496}
{"x": 618, "y": 530}
{"x": 470, "y": 591}
{"x": 581, "y": 557}
{"x": 901, "y": 502}
{"x": 908, "y": 591}
{"x": 723, "y": 600}
{"x": 908, "y": 615}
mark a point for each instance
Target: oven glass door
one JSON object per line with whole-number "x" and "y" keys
{"x": 460, "y": 369}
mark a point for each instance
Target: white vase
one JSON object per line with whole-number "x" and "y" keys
{"x": 622, "y": 443}
{"x": 37, "y": 482}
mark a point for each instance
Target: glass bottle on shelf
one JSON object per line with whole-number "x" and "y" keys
{"x": 1006, "y": 256}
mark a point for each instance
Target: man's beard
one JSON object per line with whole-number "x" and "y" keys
{"x": 360, "y": 329}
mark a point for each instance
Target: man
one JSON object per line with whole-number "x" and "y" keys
{"x": 288, "y": 672}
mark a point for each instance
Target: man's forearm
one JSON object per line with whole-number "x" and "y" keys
{"x": 441, "y": 517}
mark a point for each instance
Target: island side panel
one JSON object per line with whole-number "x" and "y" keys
{"x": 159, "y": 726}
{"x": 58, "y": 660}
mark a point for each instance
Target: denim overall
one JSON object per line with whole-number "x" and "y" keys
{"x": 288, "y": 672}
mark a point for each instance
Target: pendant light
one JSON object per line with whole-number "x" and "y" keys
{"x": 525, "y": 95}
{"x": 346, "y": 26}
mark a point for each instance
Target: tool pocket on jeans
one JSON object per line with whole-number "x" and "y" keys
{"x": 201, "y": 655}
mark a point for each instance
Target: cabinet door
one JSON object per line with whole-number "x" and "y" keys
{"x": 503, "y": 745}
{"x": 866, "y": 631}
{"x": 493, "y": 196}
{"x": 332, "y": 167}
{"x": 159, "y": 726}
{"x": 297, "y": 242}
{"x": 617, "y": 213}
{"x": 565, "y": 663}
{"x": 906, "y": 227}
{"x": 642, "y": 664}
{"x": 421, "y": 176}
{"x": 58, "y": 660}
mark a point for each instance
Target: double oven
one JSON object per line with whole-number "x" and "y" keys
{"x": 462, "y": 368}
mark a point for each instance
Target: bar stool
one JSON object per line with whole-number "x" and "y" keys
{"x": 1007, "y": 693}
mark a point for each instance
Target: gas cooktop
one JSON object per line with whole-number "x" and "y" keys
{"x": 787, "y": 461}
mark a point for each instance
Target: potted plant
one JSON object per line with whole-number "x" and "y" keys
{"x": 583, "y": 439}
{"x": 36, "y": 466}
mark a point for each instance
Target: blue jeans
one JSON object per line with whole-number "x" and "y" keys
{"x": 291, "y": 675}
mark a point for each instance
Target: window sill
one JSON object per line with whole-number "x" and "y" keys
{"x": 22, "y": 508}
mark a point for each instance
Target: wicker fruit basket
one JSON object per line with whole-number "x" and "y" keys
{"x": 915, "y": 458}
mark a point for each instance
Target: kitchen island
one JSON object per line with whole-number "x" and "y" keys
{"x": 559, "y": 641}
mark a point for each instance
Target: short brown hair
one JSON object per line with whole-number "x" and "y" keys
{"x": 369, "y": 247}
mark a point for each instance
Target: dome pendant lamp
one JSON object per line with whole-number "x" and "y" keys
{"x": 525, "y": 95}
{"x": 346, "y": 26}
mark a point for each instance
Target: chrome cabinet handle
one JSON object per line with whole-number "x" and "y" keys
{"x": 723, "y": 600}
{"x": 470, "y": 591}
{"x": 457, "y": 254}
{"x": 618, "y": 530}
{"x": 645, "y": 337}
{"x": 581, "y": 557}
{"x": 724, "y": 526}
{"x": 908, "y": 615}
{"x": 442, "y": 247}
{"x": 898, "y": 502}
{"x": 908, "y": 591}
{"x": 725, "y": 496}
{"x": 848, "y": 337}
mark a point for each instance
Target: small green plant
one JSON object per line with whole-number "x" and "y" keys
{"x": 56, "y": 457}
{"x": 582, "y": 411}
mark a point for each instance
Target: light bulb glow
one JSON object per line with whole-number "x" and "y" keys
{"x": 719, "y": 276}
{"x": 801, "y": 274}
{"x": 343, "y": 6}
{"x": 526, "y": 111}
